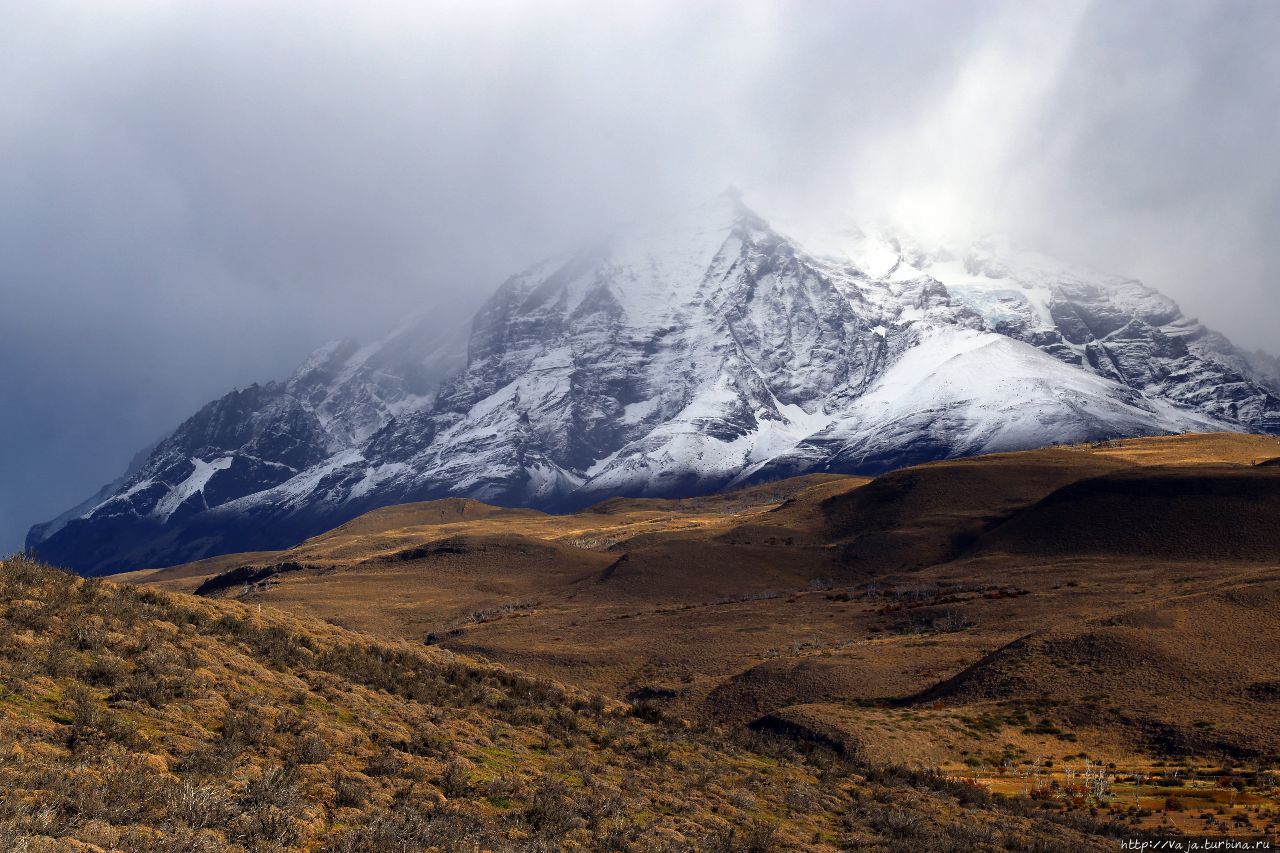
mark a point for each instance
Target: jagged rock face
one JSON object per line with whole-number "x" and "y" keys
{"x": 1264, "y": 368}
{"x": 667, "y": 346}
{"x": 1133, "y": 335}
{"x": 682, "y": 358}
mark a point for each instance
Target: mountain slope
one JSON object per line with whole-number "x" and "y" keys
{"x": 962, "y": 393}
{"x": 677, "y": 359}
{"x": 247, "y": 442}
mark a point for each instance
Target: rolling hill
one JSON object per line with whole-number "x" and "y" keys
{"x": 832, "y": 588}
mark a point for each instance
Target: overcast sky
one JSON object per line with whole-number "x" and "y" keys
{"x": 194, "y": 195}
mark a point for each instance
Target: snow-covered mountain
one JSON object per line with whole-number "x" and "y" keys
{"x": 705, "y": 351}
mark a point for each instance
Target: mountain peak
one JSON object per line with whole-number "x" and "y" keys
{"x": 733, "y": 195}
{"x": 678, "y": 357}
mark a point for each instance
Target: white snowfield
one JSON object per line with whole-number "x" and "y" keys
{"x": 192, "y": 486}
{"x": 971, "y": 392}
{"x": 709, "y": 349}
{"x": 705, "y": 351}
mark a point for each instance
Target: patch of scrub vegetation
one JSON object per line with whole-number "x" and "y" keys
{"x": 136, "y": 720}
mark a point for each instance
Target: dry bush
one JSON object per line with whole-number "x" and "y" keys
{"x": 756, "y": 837}
{"x": 312, "y": 749}
{"x": 198, "y": 806}
{"x": 386, "y": 762}
{"x": 455, "y": 781}
{"x": 350, "y": 790}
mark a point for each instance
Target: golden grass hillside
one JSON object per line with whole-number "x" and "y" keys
{"x": 133, "y": 719}
{"x": 1111, "y": 602}
{"x": 818, "y": 589}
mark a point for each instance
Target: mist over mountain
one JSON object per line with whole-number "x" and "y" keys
{"x": 195, "y": 198}
{"x": 703, "y": 351}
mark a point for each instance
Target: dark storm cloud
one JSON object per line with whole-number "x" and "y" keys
{"x": 194, "y": 195}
